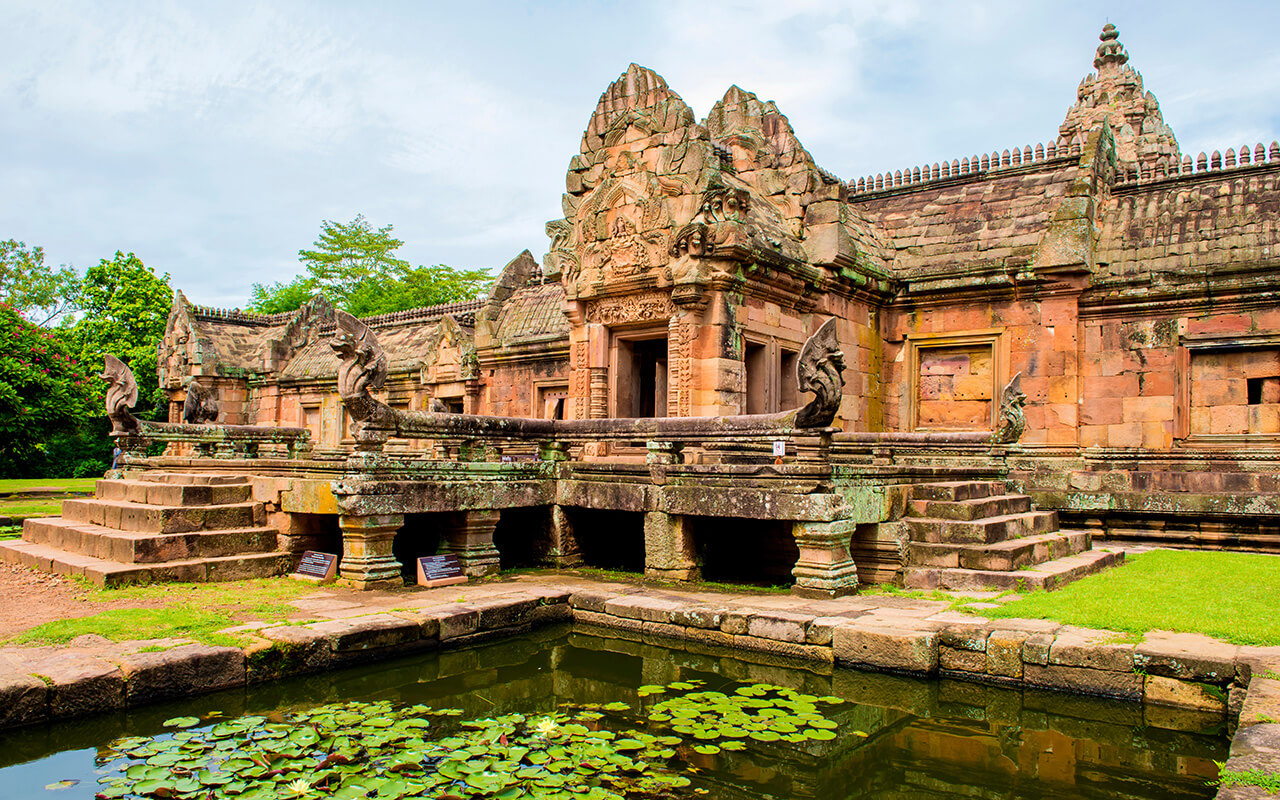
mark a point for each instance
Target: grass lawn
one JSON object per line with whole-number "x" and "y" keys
{"x": 65, "y": 484}
{"x": 191, "y": 610}
{"x": 1229, "y": 596}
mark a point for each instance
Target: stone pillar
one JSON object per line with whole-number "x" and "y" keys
{"x": 668, "y": 548}
{"x": 598, "y": 366}
{"x": 471, "y": 540}
{"x": 367, "y": 561}
{"x": 563, "y": 551}
{"x": 825, "y": 567}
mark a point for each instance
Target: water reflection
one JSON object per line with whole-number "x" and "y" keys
{"x": 924, "y": 739}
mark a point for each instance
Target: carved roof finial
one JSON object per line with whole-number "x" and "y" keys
{"x": 1111, "y": 51}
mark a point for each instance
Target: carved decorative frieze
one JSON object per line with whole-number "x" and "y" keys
{"x": 646, "y": 307}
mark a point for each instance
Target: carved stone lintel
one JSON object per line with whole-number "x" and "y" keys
{"x": 1012, "y": 421}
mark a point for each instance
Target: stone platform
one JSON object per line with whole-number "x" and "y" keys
{"x": 159, "y": 527}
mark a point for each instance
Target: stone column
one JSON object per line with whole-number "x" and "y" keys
{"x": 825, "y": 567}
{"x": 563, "y": 551}
{"x": 668, "y": 548}
{"x": 471, "y": 540}
{"x": 367, "y": 561}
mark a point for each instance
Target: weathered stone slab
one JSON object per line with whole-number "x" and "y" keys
{"x": 1084, "y": 680}
{"x": 368, "y": 632}
{"x": 590, "y": 601}
{"x": 954, "y": 659}
{"x": 23, "y": 699}
{"x": 1035, "y": 650}
{"x": 1187, "y": 656}
{"x": 453, "y": 621}
{"x": 698, "y": 617}
{"x": 781, "y": 626}
{"x": 1164, "y": 691}
{"x": 1081, "y": 647}
{"x": 188, "y": 669}
{"x": 295, "y": 650}
{"x": 904, "y": 649}
{"x": 821, "y": 629}
{"x": 1004, "y": 653}
{"x": 502, "y": 612}
{"x": 80, "y": 684}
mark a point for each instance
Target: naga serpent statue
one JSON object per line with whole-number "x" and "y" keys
{"x": 122, "y": 395}
{"x": 820, "y": 369}
{"x": 1012, "y": 420}
{"x": 200, "y": 407}
{"x": 362, "y": 368}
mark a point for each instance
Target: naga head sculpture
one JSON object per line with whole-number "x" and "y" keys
{"x": 363, "y": 364}
{"x": 820, "y": 369}
{"x": 200, "y": 405}
{"x": 122, "y": 395}
{"x": 1012, "y": 421}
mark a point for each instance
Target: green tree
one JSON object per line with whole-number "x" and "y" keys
{"x": 347, "y": 255}
{"x": 44, "y": 394}
{"x": 126, "y": 308}
{"x": 355, "y": 266}
{"x": 38, "y": 292}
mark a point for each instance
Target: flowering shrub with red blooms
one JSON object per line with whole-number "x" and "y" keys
{"x": 44, "y": 392}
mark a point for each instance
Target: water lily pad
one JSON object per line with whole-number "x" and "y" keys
{"x": 181, "y": 722}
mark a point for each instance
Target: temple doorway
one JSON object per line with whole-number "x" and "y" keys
{"x": 640, "y": 375}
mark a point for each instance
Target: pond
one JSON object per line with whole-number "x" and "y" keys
{"x": 578, "y": 713}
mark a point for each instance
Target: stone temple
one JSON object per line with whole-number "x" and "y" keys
{"x": 1018, "y": 352}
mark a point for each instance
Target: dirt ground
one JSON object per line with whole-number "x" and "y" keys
{"x": 29, "y": 598}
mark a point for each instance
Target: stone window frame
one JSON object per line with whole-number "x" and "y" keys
{"x": 539, "y": 385}
{"x": 994, "y": 337}
{"x": 1189, "y": 343}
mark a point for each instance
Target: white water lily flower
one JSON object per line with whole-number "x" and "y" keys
{"x": 297, "y": 788}
{"x": 545, "y": 726}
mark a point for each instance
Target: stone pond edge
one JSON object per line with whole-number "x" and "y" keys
{"x": 1176, "y": 671}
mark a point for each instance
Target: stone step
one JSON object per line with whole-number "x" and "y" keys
{"x": 1012, "y": 554}
{"x": 182, "y": 478}
{"x": 977, "y": 508}
{"x": 172, "y": 494}
{"x": 146, "y": 548}
{"x": 1046, "y": 576}
{"x": 984, "y": 531}
{"x": 114, "y": 573}
{"x": 957, "y": 490}
{"x": 146, "y": 518}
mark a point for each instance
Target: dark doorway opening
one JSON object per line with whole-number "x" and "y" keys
{"x": 422, "y": 535}
{"x": 641, "y": 378}
{"x": 760, "y": 552}
{"x": 523, "y": 536}
{"x": 609, "y": 539}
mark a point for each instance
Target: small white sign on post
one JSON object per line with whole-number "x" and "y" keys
{"x": 779, "y": 447}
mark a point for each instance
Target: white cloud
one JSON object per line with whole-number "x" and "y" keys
{"x": 213, "y": 138}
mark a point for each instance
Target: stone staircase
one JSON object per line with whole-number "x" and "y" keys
{"x": 974, "y": 535}
{"x": 160, "y": 527}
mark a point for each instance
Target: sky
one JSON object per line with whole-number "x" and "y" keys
{"x": 212, "y": 138}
